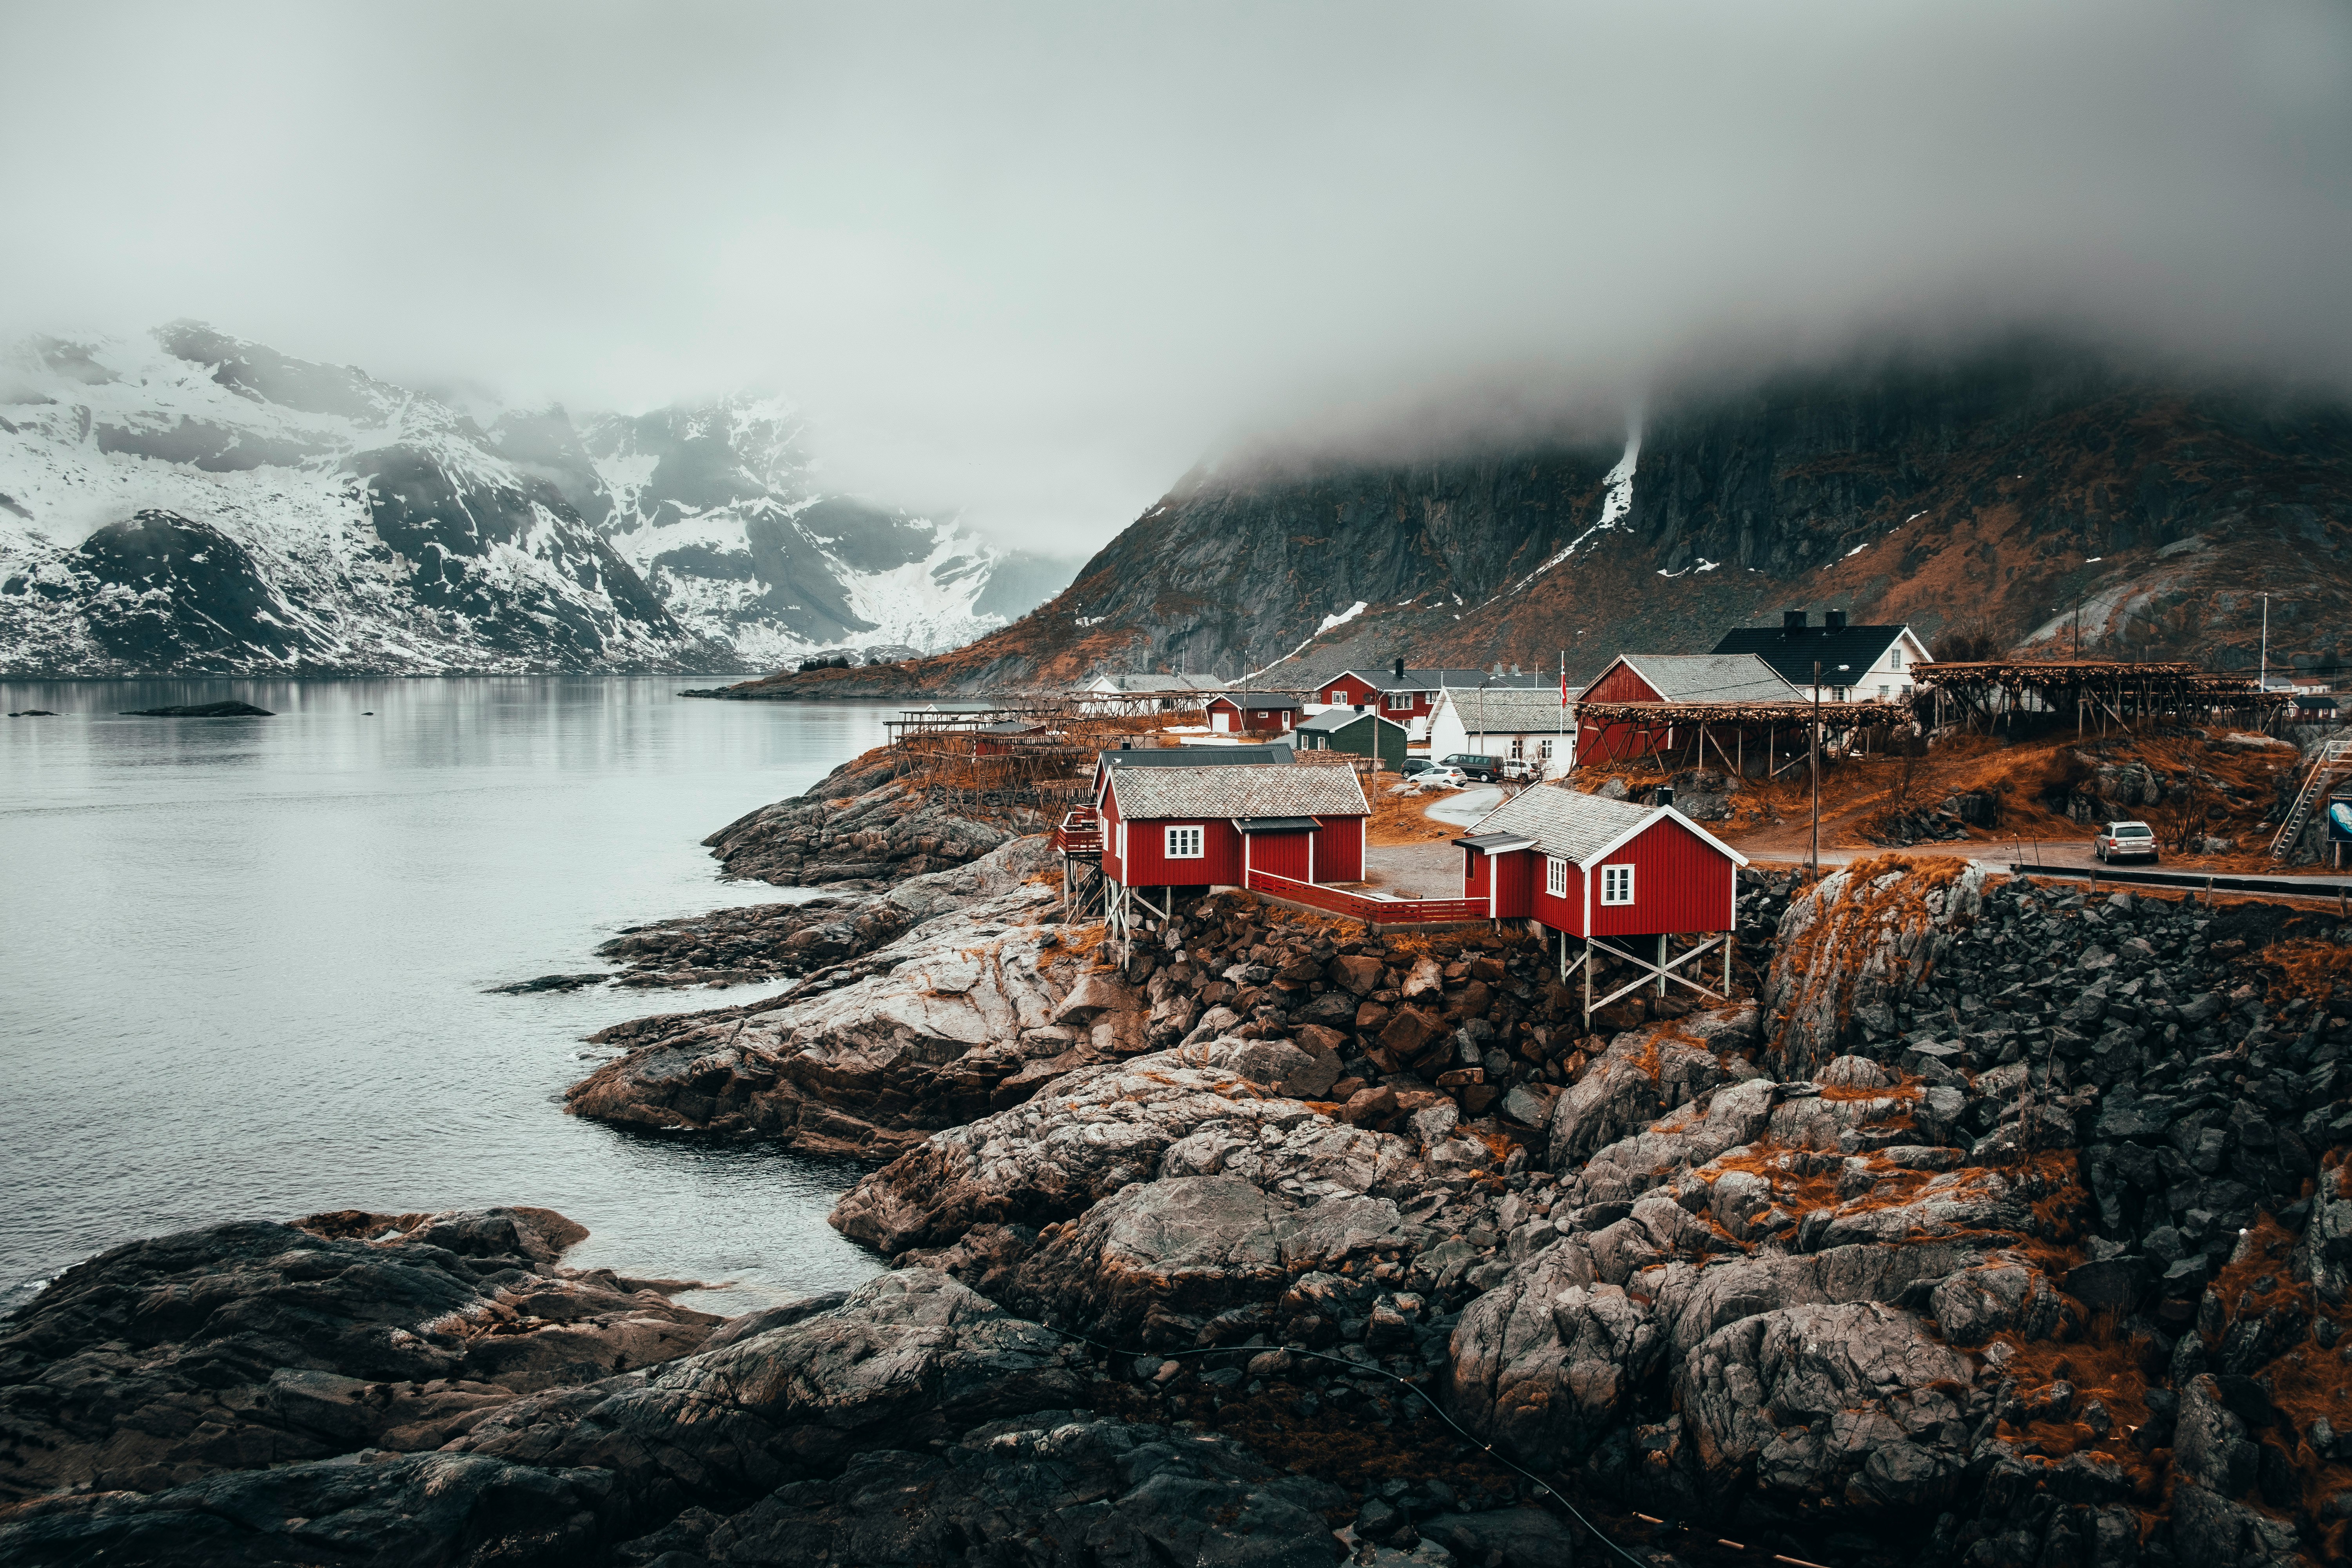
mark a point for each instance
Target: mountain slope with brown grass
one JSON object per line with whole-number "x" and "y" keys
{"x": 2009, "y": 496}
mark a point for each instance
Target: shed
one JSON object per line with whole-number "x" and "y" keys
{"x": 1365, "y": 734}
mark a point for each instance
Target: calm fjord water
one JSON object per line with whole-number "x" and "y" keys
{"x": 243, "y": 961}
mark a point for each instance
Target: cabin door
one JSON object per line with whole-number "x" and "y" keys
{"x": 1284, "y": 854}
{"x": 1221, "y": 722}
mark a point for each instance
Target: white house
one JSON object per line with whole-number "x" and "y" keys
{"x": 1517, "y": 723}
{"x": 1857, "y": 663}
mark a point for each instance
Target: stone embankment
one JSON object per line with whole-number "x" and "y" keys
{"x": 2002, "y": 1226}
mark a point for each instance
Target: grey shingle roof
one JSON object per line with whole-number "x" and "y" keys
{"x": 1199, "y": 756}
{"x": 1509, "y": 710}
{"x": 1267, "y": 790}
{"x": 1717, "y": 676}
{"x": 1563, "y": 821}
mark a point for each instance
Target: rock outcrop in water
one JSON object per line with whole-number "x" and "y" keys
{"x": 157, "y": 1363}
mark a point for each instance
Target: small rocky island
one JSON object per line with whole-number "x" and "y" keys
{"x": 2003, "y": 1225}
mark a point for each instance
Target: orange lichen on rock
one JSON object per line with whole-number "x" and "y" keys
{"x": 2306, "y": 967}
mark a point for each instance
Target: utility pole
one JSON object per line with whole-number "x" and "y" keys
{"x": 2263, "y": 680}
{"x": 1814, "y": 860}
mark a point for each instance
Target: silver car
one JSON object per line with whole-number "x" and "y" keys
{"x": 2125, "y": 841}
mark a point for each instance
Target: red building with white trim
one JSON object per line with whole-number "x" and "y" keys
{"x": 1604, "y": 871}
{"x": 1253, "y": 712}
{"x": 1211, "y": 826}
{"x": 1405, "y": 695}
{"x": 1672, "y": 677}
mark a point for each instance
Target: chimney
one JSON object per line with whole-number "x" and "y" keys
{"x": 1792, "y": 620}
{"x": 1399, "y": 669}
{"x": 1833, "y": 620}
{"x": 1663, "y": 796}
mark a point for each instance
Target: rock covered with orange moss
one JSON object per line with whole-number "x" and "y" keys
{"x": 1854, "y": 944}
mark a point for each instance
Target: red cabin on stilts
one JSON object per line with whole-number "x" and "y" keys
{"x": 1613, "y": 876}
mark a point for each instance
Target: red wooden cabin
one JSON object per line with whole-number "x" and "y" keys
{"x": 1604, "y": 872}
{"x": 1671, "y": 678}
{"x": 1211, "y": 826}
{"x": 1257, "y": 711}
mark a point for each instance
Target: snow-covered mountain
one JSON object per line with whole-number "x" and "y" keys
{"x": 721, "y": 510}
{"x": 192, "y": 502}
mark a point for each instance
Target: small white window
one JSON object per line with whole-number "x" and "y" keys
{"x": 1555, "y": 875}
{"x": 1518, "y": 753}
{"x": 1401, "y": 701}
{"x": 1616, "y": 884}
{"x": 1899, "y": 658}
{"x": 1184, "y": 844}
{"x": 1122, "y": 839}
{"x": 1884, "y": 692}
{"x": 1543, "y": 749}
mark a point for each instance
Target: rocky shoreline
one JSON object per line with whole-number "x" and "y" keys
{"x": 2003, "y": 1225}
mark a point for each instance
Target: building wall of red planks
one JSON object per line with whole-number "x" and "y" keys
{"x": 1681, "y": 883}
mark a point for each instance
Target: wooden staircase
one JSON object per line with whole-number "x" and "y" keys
{"x": 2334, "y": 758}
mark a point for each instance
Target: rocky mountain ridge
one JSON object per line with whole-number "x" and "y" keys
{"x": 1994, "y": 493}
{"x": 197, "y": 503}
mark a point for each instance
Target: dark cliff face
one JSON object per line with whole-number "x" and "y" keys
{"x": 189, "y": 597}
{"x": 1989, "y": 495}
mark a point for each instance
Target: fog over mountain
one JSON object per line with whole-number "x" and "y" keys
{"x": 1028, "y": 267}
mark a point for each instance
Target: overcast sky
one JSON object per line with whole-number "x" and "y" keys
{"x": 1032, "y": 260}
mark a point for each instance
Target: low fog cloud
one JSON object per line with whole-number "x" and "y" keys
{"x": 1032, "y": 260}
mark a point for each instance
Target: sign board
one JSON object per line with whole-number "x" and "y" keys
{"x": 2340, "y": 820}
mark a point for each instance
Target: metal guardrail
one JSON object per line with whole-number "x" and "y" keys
{"x": 1364, "y": 907}
{"x": 2292, "y": 887}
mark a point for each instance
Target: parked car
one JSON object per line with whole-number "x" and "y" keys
{"x": 1412, "y": 765}
{"x": 1514, "y": 769}
{"x": 2125, "y": 841}
{"x": 1485, "y": 770}
{"x": 1443, "y": 777}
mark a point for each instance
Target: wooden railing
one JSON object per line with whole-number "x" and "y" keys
{"x": 1364, "y": 906}
{"x": 1080, "y": 833}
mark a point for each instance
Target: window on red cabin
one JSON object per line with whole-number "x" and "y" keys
{"x": 1616, "y": 884}
{"x": 1555, "y": 875}
{"x": 1400, "y": 700}
{"x": 1185, "y": 844}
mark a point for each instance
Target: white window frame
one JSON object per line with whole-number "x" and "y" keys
{"x": 1617, "y": 884}
{"x": 1400, "y": 701}
{"x": 1556, "y": 876}
{"x": 1122, "y": 839}
{"x": 1197, "y": 837}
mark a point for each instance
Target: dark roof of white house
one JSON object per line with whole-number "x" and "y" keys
{"x": 1199, "y": 756}
{"x": 1791, "y": 651}
{"x": 1269, "y": 790}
